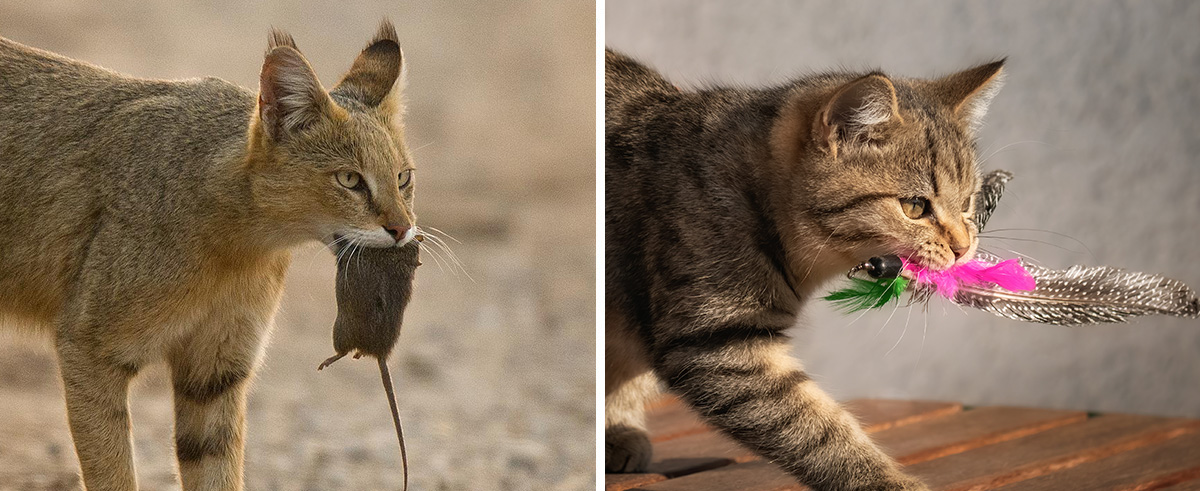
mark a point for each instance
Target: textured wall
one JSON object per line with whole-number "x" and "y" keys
{"x": 1098, "y": 120}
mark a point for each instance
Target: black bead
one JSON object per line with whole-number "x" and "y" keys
{"x": 885, "y": 267}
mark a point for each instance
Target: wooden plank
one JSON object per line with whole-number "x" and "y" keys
{"x": 918, "y": 441}
{"x": 751, "y": 476}
{"x": 695, "y": 453}
{"x": 683, "y": 448}
{"x": 882, "y": 414}
{"x": 930, "y": 439}
{"x": 1043, "y": 453}
{"x": 1193, "y": 485}
{"x": 1152, "y": 467}
{"x": 621, "y": 482}
{"x": 673, "y": 420}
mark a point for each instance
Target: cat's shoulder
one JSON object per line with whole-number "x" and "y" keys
{"x": 623, "y": 73}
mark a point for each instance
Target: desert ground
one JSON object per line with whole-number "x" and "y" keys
{"x": 495, "y": 371}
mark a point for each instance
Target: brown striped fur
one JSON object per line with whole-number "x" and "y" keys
{"x": 726, "y": 208}
{"x": 151, "y": 220}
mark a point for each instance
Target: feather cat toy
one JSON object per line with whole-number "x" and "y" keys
{"x": 1010, "y": 288}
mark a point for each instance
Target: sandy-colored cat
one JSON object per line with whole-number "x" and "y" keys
{"x": 146, "y": 220}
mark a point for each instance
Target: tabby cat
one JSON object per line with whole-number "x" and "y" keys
{"x": 726, "y": 208}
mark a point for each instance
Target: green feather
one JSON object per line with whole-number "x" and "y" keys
{"x": 868, "y": 294}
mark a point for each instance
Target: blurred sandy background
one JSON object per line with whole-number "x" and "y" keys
{"x": 1100, "y": 122}
{"x": 496, "y": 376}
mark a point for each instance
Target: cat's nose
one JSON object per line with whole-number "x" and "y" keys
{"x": 959, "y": 251}
{"x": 397, "y": 231}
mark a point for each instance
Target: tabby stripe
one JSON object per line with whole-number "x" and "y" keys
{"x": 211, "y": 388}
{"x": 933, "y": 159}
{"x": 853, "y": 202}
{"x": 192, "y": 448}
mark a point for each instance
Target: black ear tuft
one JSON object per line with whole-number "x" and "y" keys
{"x": 279, "y": 38}
{"x": 374, "y": 75}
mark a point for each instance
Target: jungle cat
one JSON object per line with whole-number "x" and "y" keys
{"x": 149, "y": 220}
{"x": 726, "y": 208}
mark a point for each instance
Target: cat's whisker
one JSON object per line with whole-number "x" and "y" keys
{"x": 329, "y": 242}
{"x": 433, "y": 247}
{"x": 1051, "y": 232}
{"x": 818, "y": 254}
{"x": 456, "y": 265}
{"x": 898, "y": 340}
{"x": 1051, "y": 244}
{"x": 415, "y": 150}
{"x": 1001, "y": 149}
{"x": 889, "y": 320}
{"x": 451, "y": 237}
{"x": 924, "y": 330}
{"x": 437, "y": 259}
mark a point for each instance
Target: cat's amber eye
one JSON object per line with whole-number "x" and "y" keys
{"x": 405, "y": 178}
{"x": 915, "y": 208}
{"x": 349, "y": 179}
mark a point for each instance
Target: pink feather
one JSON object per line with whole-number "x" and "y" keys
{"x": 1008, "y": 274}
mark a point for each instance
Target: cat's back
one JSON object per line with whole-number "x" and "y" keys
{"x": 629, "y": 85}
{"x": 49, "y": 101}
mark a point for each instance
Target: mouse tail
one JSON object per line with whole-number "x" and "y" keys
{"x": 391, "y": 396}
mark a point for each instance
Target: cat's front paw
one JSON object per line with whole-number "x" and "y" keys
{"x": 626, "y": 449}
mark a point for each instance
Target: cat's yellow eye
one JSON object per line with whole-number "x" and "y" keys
{"x": 348, "y": 179}
{"x": 405, "y": 178}
{"x": 915, "y": 208}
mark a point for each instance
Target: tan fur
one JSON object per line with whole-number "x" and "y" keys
{"x": 150, "y": 220}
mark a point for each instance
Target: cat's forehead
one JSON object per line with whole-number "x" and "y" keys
{"x": 360, "y": 140}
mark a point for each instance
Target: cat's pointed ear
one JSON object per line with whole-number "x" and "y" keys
{"x": 290, "y": 98}
{"x": 969, "y": 92}
{"x": 856, "y": 113}
{"x": 376, "y": 77}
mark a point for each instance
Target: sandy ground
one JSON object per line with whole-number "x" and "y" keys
{"x": 495, "y": 374}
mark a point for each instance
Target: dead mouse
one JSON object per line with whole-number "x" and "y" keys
{"x": 373, "y": 288}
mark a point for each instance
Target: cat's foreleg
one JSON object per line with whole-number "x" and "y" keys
{"x": 210, "y": 372}
{"x": 96, "y": 388}
{"x": 626, "y": 442}
{"x": 628, "y": 385}
{"x": 741, "y": 379}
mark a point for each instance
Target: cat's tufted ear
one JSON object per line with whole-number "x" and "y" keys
{"x": 290, "y": 98}
{"x": 377, "y": 74}
{"x": 969, "y": 92}
{"x": 856, "y": 113}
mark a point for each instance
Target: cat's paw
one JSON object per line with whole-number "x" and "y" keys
{"x": 626, "y": 449}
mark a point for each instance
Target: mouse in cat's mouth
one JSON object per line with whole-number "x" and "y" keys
{"x": 372, "y": 293}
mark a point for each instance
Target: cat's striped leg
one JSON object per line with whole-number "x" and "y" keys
{"x": 741, "y": 379}
{"x": 97, "y": 394}
{"x": 628, "y": 386}
{"x": 211, "y": 372}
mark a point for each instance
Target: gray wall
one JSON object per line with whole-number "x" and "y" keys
{"x": 1098, "y": 120}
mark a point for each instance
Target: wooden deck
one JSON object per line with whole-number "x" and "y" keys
{"x": 950, "y": 447}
